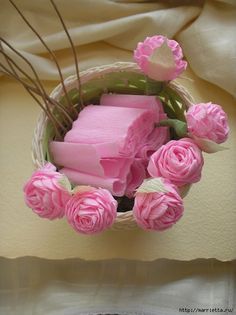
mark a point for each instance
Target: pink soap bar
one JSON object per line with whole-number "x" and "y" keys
{"x": 116, "y": 167}
{"x": 134, "y": 101}
{"x": 135, "y": 177}
{"x": 114, "y": 185}
{"x": 158, "y": 137}
{"x": 124, "y": 126}
{"x": 87, "y": 159}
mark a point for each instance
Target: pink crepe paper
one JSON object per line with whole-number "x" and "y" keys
{"x": 158, "y": 136}
{"x": 109, "y": 145}
{"x": 114, "y": 185}
{"x": 96, "y": 124}
{"x": 85, "y": 158}
{"x": 135, "y": 177}
{"x": 154, "y": 141}
{"x": 134, "y": 101}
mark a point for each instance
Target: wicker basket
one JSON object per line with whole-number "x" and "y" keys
{"x": 122, "y": 83}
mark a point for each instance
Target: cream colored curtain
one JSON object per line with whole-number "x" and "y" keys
{"x": 106, "y": 31}
{"x": 32, "y": 286}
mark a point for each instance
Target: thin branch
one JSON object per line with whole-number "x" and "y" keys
{"x": 48, "y": 111}
{"x": 37, "y": 90}
{"x": 73, "y": 50}
{"x": 43, "y": 92}
{"x": 14, "y": 75}
{"x": 48, "y": 49}
{"x": 9, "y": 64}
{"x": 26, "y": 60}
{"x": 51, "y": 118}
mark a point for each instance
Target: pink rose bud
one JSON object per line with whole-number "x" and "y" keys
{"x": 45, "y": 194}
{"x": 91, "y": 210}
{"x": 158, "y": 211}
{"x": 180, "y": 161}
{"x": 160, "y": 58}
{"x": 208, "y": 121}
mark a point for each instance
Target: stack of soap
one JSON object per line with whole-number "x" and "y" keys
{"x": 158, "y": 136}
{"x": 124, "y": 126}
{"x": 148, "y": 145}
{"x": 105, "y": 147}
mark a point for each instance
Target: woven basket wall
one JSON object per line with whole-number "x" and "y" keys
{"x": 124, "y": 220}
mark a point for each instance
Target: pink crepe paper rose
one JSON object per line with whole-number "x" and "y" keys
{"x": 161, "y": 65}
{"x": 154, "y": 141}
{"x": 91, "y": 210}
{"x": 208, "y": 121}
{"x": 45, "y": 194}
{"x": 158, "y": 211}
{"x": 180, "y": 161}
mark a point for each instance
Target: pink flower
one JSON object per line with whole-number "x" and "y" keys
{"x": 180, "y": 161}
{"x": 91, "y": 210}
{"x": 154, "y": 141}
{"x": 45, "y": 194}
{"x": 160, "y": 71}
{"x": 208, "y": 121}
{"x": 157, "y": 210}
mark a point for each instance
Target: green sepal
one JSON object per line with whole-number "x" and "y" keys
{"x": 65, "y": 183}
{"x": 207, "y": 145}
{"x": 152, "y": 185}
{"x": 179, "y": 126}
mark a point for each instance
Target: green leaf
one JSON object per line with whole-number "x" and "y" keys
{"x": 153, "y": 87}
{"x": 176, "y": 102}
{"x": 173, "y": 94}
{"x": 167, "y": 109}
{"x": 208, "y": 146}
{"x": 179, "y": 126}
{"x": 65, "y": 183}
{"x": 152, "y": 185}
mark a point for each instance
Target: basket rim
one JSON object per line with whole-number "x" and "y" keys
{"x": 124, "y": 220}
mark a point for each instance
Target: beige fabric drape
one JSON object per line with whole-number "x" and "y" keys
{"x": 31, "y": 286}
{"x": 106, "y": 31}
